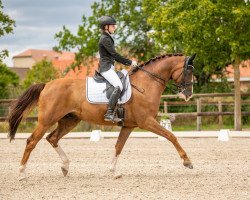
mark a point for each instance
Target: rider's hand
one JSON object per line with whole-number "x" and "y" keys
{"x": 134, "y": 63}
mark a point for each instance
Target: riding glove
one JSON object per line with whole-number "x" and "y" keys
{"x": 134, "y": 63}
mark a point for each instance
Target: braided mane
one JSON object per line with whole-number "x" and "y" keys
{"x": 159, "y": 57}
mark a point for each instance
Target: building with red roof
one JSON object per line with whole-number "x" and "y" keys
{"x": 61, "y": 61}
{"x": 30, "y": 57}
{"x": 244, "y": 75}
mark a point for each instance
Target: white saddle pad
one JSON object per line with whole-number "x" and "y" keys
{"x": 95, "y": 94}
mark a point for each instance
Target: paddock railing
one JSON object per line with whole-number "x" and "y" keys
{"x": 201, "y": 100}
{"x": 198, "y": 101}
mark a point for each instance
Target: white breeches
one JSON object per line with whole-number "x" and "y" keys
{"x": 112, "y": 78}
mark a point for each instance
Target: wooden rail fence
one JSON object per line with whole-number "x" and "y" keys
{"x": 200, "y": 101}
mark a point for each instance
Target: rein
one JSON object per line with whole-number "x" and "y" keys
{"x": 154, "y": 76}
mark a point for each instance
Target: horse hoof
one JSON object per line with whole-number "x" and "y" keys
{"x": 22, "y": 178}
{"x": 188, "y": 164}
{"x": 111, "y": 169}
{"x": 117, "y": 176}
{"x": 64, "y": 171}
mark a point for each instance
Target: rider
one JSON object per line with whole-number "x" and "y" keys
{"x": 108, "y": 55}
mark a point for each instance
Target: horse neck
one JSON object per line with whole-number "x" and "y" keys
{"x": 163, "y": 68}
{"x": 152, "y": 87}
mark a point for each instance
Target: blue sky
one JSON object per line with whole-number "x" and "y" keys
{"x": 38, "y": 21}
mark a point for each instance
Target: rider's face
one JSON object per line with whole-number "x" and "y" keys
{"x": 112, "y": 28}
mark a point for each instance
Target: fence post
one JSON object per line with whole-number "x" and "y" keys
{"x": 165, "y": 107}
{"x": 220, "y": 116}
{"x": 198, "y": 101}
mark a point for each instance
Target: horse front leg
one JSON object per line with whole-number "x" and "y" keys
{"x": 152, "y": 125}
{"x": 122, "y": 138}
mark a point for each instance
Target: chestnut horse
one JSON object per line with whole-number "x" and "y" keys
{"x": 63, "y": 101}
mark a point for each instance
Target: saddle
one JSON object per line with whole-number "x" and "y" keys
{"x": 110, "y": 88}
{"x": 99, "y": 90}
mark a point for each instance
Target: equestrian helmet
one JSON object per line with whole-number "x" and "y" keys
{"x": 106, "y": 20}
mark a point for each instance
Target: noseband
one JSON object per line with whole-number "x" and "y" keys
{"x": 181, "y": 86}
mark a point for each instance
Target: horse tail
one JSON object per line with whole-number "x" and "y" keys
{"x": 26, "y": 102}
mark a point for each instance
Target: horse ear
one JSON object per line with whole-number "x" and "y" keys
{"x": 192, "y": 57}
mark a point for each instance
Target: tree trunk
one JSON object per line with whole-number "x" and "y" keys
{"x": 237, "y": 96}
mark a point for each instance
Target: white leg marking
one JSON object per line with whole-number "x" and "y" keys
{"x": 65, "y": 160}
{"x": 113, "y": 164}
{"x": 113, "y": 168}
{"x": 22, "y": 174}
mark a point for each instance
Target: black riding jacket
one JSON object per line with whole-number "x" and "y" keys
{"x": 108, "y": 54}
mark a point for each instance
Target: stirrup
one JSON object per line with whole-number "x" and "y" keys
{"x": 111, "y": 118}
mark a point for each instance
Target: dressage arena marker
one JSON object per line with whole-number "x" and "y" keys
{"x": 95, "y": 136}
{"x": 223, "y": 135}
{"x": 179, "y": 134}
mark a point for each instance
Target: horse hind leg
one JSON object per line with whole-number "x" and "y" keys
{"x": 31, "y": 144}
{"x": 65, "y": 125}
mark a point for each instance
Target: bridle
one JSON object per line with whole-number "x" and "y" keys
{"x": 181, "y": 87}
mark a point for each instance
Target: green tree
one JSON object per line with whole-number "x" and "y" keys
{"x": 41, "y": 72}
{"x": 7, "y": 79}
{"x": 6, "y": 27}
{"x": 217, "y": 30}
{"x": 131, "y": 35}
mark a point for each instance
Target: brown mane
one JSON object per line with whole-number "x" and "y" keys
{"x": 159, "y": 57}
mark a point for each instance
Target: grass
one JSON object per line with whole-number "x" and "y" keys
{"x": 211, "y": 127}
{"x": 27, "y": 127}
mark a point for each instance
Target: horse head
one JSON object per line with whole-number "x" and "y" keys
{"x": 171, "y": 66}
{"x": 184, "y": 78}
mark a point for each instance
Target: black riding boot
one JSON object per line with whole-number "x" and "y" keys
{"x": 110, "y": 115}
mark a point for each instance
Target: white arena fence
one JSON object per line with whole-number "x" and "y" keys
{"x": 106, "y": 135}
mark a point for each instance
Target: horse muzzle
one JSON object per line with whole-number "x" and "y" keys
{"x": 186, "y": 95}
